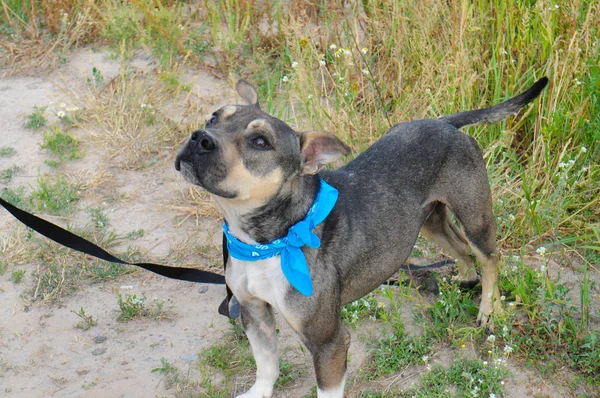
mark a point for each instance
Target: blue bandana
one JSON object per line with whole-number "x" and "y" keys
{"x": 293, "y": 263}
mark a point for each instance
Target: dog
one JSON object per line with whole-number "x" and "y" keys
{"x": 267, "y": 179}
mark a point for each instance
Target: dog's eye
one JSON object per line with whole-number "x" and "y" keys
{"x": 213, "y": 119}
{"x": 260, "y": 142}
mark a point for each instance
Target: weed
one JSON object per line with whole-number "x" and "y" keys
{"x": 7, "y": 175}
{"x": 54, "y": 195}
{"x": 362, "y": 308}
{"x": 97, "y": 80}
{"x": 36, "y": 119}
{"x": 60, "y": 144}
{"x": 99, "y": 218}
{"x": 7, "y": 152}
{"x": 86, "y": 322}
{"x": 129, "y": 307}
{"x": 17, "y": 275}
{"x": 396, "y": 349}
{"x": 2, "y": 269}
{"x": 135, "y": 234}
{"x": 16, "y": 197}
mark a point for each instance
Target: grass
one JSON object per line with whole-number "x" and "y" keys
{"x": 356, "y": 70}
{"x": 7, "y": 175}
{"x": 7, "y": 152}
{"x": 131, "y": 307}
{"x": 61, "y": 145}
{"x": 86, "y": 322}
{"x": 36, "y": 119}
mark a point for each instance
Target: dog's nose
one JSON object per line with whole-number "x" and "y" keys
{"x": 202, "y": 141}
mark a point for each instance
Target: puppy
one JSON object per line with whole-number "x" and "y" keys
{"x": 305, "y": 242}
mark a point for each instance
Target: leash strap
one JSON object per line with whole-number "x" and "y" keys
{"x": 72, "y": 241}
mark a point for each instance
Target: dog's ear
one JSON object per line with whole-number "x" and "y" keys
{"x": 320, "y": 148}
{"x": 247, "y": 92}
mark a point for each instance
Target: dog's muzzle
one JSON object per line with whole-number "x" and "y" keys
{"x": 201, "y": 142}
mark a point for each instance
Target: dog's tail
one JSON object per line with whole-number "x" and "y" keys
{"x": 496, "y": 113}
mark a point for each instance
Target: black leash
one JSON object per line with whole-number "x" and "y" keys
{"x": 72, "y": 241}
{"x": 229, "y": 307}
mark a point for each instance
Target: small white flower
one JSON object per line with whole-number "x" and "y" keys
{"x": 346, "y": 51}
{"x": 583, "y": 149}
{"x": 285, "y": 78}
{"x": 322, "y": 62}
{"x": 502, "y": 382}
{"x": 294, "y": 64}
{"x": 491, "y": 338}
{"x": 508, "y": 349}
{"x": 485, "y": 363}
{"x": 502, "y": 298}
{"x": 310, "y": 96}
{"x": 60, "y": 114}
{"x": 332, "y": 47}
{"x": 541, "y": 250}
{"x": 511, "y": 217}
{"x": 427, "y": 90}
{"x": 62, "y": 105}
{"x": 366, "y": 72}
{"x": 364, "y": 50}
{"x": 503, "y": 52}
{"x": 425, "y": 358}
{"x": 492, "y": 395}
{"x": 143, "y": 106}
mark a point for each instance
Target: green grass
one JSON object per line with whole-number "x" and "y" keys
{"x": 7, "y": 152}
{"x": 86, "y": 322}
{"x": 54, "y": 194}
{"x": 36, "y": 119}
{"x": 17, "y": 275}
{"x": 7, "y": 175}
{"x": 61, "y": 145}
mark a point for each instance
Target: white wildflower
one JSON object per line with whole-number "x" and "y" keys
{"x": 332, "y": 47}
{"x": 285, "y": 78}
{"x": 60, "y": 114}
{"x": 366, "y": 72}
{"x": 491, "y": 338}
{"x": 294, "y": 64}
{"x": 322, "y": 62}
{"x": 508, "y": 349}
{"x": 541, "y": 250}
{"x": 364, "y": 50}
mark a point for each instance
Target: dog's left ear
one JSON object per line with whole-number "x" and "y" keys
{"x": 247, "y": 92}
{"x": 320, "y": 148}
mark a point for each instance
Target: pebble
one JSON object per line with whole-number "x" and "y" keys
{"x": 99, "y": 351}
{"x": 99, "y": 339}
{"x": 203, "y": 289}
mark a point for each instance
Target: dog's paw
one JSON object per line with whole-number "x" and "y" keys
{"x": 260, "y": 389}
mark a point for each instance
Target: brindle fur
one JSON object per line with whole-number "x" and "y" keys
{"x": 405, "y": 183}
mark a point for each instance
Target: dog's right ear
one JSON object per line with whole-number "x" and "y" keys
{"x": 247, "y": 92}
{"x": 320, "y": 148}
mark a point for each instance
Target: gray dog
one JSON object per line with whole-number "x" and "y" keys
{"x": 306, "y": 241}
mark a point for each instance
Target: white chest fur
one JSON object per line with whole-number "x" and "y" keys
{"x": 261, "y": 279}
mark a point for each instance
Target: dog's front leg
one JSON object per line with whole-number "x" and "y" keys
{"x": 259, "y": 325}
{"x": 329, "y": 348}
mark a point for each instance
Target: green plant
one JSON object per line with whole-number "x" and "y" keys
{"x": 362, "y": 308}
{"x": 36, "y": 119}
{"x": 7, "y": 152}
{"x": 86, "y": 322}
{"x": 17, "y": 275}
{"x": 99, "y": 218}
{"x": 54, "y": 195}
{"x": 130, "y": 307}
{"x": 62, "y": 145}
{"x": 7, "y": 175}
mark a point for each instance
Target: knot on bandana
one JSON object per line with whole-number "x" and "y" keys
{"x": 293, "y": 263}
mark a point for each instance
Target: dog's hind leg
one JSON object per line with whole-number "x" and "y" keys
{"x": 439, "y": 229}
{"x": 259, "y": 325}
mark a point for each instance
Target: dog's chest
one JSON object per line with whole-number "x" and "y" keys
{"x": 261, "y": 279}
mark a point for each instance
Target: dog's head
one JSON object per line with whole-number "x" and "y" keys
{"x": 244, "y": 154}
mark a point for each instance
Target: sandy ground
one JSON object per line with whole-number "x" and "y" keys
{"x": 42, "y": 354}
